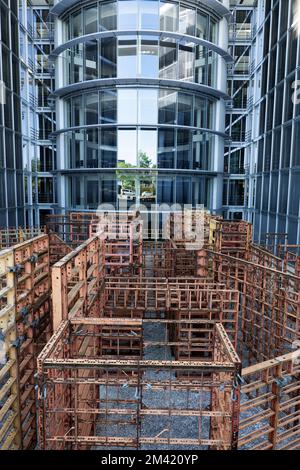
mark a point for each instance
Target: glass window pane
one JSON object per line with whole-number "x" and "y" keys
{"x": 201, "y": 66}
{"x": 201, "y": 25}
{"x": 90, "y": 19}
{"x": 108, "y": 106}
{"x": 78, "y": 111}
{"x": 127, "y": 15}
{"x": 168, "y": 59}
{"x": 168, "y": 17}
{"x": 108, "y": 191}
{"x": 78, "y": 63}
{"x": 186, "y": 62}
{"x": 149, "y": 59}
{"x": 127, "y": 106}
{"x": 167, "y": 107}
{"x": 213, "y": 31}
{"x": 79, "y": 149}
{"x": 127, "y": 145}
{"x": 91, "y": 60}
{"x": 201, "y": 106}
{"x": 149, "y": 14}
{"x": 92, "y": 148}
{"x": 108, "y": 16}
{"x": 147, "y": 190}
{"x": 127, "y": 58}
{"x": 147, "y": 148}
{"x": 91, "y": 109}
{"x": 147, "y": 104}
{"x": 185, "y": 108}
{"x": 108, "y": 148}
{"x": 92, "y": 193}
{"x": 77, "y": 24}
{"x": 183, "y": 186}
{"x": 166, "y": 148}
{"x": 165, "y": 191}
{"x": 108, "y": 58}
{"x": 187, "y": 21}
{"x": 183, "y": 149}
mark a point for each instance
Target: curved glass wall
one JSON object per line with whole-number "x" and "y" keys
{"x": 139, "y": 106}
{"x": 140, "y": 57}
{"x": 142, "y": 14}
{"x": 139, "y": 147}
{"x": 139, "y": 128}
{"x": 148, "y": 143}
{"x": 88, "y": 191}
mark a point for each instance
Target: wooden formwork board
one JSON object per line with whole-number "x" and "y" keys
{"x": 26, "y": 326}
{"x": 129, "y": 394}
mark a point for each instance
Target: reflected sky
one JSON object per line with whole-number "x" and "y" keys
{"x": 296, "y": 15}
{"x": 131, "y": 143}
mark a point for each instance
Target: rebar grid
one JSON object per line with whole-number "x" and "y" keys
{"x": 110, "y": 402}
{"x": 112, "y": 320}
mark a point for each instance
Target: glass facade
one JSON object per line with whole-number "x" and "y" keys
{"x": 37, "y": 111}
{"x": 137, "y": 127}
{"x": 132, "y": 56}
{"x": 11, "y": 166}
{"x": 274, "y": 176}
{"x": 141, "y": 14}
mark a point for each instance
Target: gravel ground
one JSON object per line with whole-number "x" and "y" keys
{"x": 175, "y": 426}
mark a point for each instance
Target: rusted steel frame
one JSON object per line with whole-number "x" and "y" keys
{"x": 15, "y": 235}
{"x": 266, "y": 292}
{"x": 257, "y": 254}
{"x": 10, "y": 412}
{"x": 271, "y": 390}
{"x": 26, "y": 298}
{"x": 224, "y": 398}
{"x": 32, "y": 293}
{"x": 58, "y": 437}
{"x": 142, "y": 364}
{"x": 58, "y": 248}
{"x": 76, "y": 280}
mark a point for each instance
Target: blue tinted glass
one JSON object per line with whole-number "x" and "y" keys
{"x": 149, "y": 14}
{"x": 127, "y": 15}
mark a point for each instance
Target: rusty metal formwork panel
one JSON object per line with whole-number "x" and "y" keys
{"x": 123, "y": 248}
{"x": 270, "y": 405}
{"x": 270, "y": 241}
{"x": 58, "y": 248}
{"x": 289, "y": 254}
{"x": 72, "y": 228}
{"x": 158, "y": 258}
{"x": 10, "y": 431}
{"x": 230, "y": 237}
{"x": 96, "y": 402}
{"x": 270, "y": 306}
{"x": 262, "y": 257}
{"x": 199, "y": 308}
{"x": 76, "y": 281}
{"x": 188, "y": 307}
{"x": 25, "y": 326}
{"x": 14, "y": 235}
